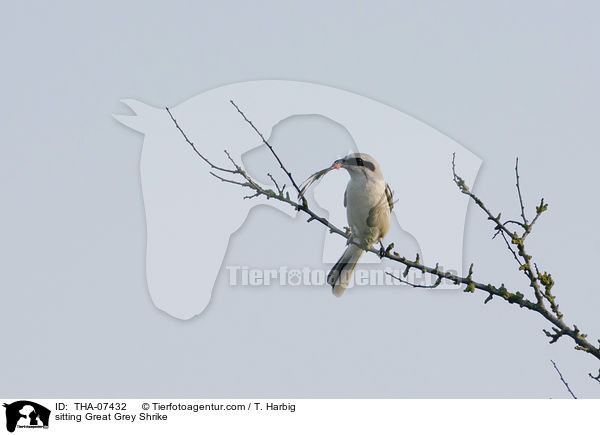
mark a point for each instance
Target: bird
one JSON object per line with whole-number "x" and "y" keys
{"x": 369, "y": 201}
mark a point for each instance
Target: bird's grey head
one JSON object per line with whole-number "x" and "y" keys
{"x": 358, "y": 164}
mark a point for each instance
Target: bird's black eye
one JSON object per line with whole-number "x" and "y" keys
{"x": 359, "y": 162}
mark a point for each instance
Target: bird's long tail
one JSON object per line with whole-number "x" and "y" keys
{"x": 340, "y": 274}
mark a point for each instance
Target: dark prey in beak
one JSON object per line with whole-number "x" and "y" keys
{"x": 315, "y": 177}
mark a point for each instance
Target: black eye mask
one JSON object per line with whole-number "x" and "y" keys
{"x": 360, "y": 162}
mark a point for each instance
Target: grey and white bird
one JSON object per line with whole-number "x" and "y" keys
{"x": 369, "y": 202}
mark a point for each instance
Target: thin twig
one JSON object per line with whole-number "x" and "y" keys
{"x": 226, "y": 180}
{"x": 280, "y": 190}
{"x": 519, "y": 192}
{"x": 283, "y": 168}
{"x": 434, "y": 285}
{"x": 510, "y": 221}
{"x": 563, "y": 379}
{"x": 196, "y": 149}
{"x": 510, "y": 248}
{"x": 538, "y": 212}
{"x": 519, "y": 242}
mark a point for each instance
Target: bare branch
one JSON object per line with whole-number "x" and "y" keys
{"x": 519, "y": 192}
{"x": 226, "y": 180}
{"x": 196, "y": 149}
{"x": 514, "y": 236}
{"x": 283, "y": 168}
{"x": 563, "y": 379}
{"x": 538, "y": 212}
{"x": 537, "y": 280}
{"x": 434, "y": 285}
{"x": 509, "y": 246}
{"x": 280, "y": 190}
{"x": 510, "y": 221}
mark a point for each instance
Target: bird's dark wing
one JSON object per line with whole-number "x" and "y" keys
{"x": 379, "y": 208}
{"x": 390, "y": 196}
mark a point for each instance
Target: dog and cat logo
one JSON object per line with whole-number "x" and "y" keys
{"x": 177, "y": 187}
{"x": 25, "y": 414}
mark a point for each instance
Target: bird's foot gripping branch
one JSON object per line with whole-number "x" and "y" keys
{"x": 537, "y": 296}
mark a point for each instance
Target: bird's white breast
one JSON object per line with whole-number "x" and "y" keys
{"x": 362, "y": 194}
